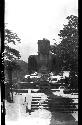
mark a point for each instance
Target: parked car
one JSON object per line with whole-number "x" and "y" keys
{"x": 53, "y": 80}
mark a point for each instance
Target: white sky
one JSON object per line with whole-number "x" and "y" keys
{"x": 33, "y": 20}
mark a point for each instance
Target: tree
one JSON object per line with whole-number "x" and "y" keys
{"x": 69, "y": 44}
{"x": 10, "y": 54}
{"x": 69, "y": 36}
{"x": 69, "y": 47}
{"x": 67, "y": 51}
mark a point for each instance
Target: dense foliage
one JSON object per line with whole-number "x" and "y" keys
{"x": 10, "y": 54}
{"x": 32, "y": 64}
{"x": 66, "y": 53}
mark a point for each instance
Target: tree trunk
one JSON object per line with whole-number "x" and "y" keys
{"x": 10, "y": 82}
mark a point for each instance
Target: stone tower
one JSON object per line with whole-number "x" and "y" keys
{"x": 43, "y": 55}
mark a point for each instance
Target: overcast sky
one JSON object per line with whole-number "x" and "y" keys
{"x": 33, "y": 20}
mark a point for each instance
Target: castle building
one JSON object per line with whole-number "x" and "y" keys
{"x": 42, "y": 61}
